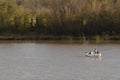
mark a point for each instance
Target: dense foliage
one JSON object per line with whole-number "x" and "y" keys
{"x": 60, "y": 17}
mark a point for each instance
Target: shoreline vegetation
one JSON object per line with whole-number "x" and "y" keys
{"x": 70, "y": 20}
{"x": 61, "y": 39}
{"x": 44, "y": 37}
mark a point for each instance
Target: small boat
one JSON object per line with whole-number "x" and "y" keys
{"x": 93, "y": 54}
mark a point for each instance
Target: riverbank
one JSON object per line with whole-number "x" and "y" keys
{"x": 49, "y": 37}
{"x": 60, "y": 39}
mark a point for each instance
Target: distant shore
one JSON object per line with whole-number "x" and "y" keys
{"x": 53, "y": 37}
{"x": 60, "y": 39}
{"x": 60, "y": 20}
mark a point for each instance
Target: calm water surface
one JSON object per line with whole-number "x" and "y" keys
{"x": 36, "y": 61}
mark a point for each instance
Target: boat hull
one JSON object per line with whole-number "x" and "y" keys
{"x": 93, "y": 55}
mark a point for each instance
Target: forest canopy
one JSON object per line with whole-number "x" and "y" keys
{"x": 60, "y": 17}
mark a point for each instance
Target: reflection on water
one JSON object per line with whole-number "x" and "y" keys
{"x": 36, "y": 61}
{"x": 94, "y": 58}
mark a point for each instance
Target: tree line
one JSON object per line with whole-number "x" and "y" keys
{"x": 60, "y": 17}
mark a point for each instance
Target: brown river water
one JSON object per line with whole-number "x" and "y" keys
{"x": 43, "y": 61}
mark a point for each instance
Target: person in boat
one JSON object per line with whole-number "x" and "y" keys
{"x": 96, "y": 51}
{"x": 90, "y": 52}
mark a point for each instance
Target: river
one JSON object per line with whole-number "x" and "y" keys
{"x": 43, "y": 61}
